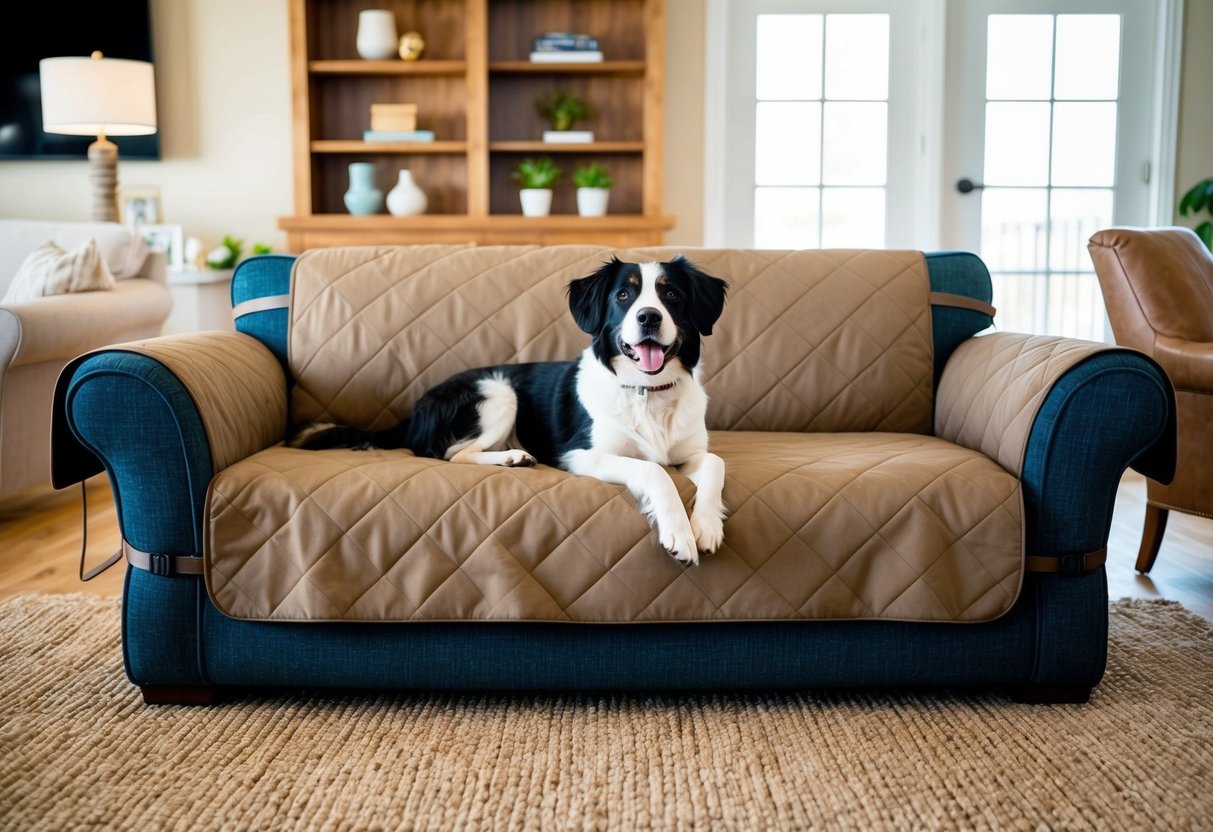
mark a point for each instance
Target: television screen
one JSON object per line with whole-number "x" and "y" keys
{"x": 119, "y": 28}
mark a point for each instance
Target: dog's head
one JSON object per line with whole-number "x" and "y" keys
{"x": 647, "y": 317}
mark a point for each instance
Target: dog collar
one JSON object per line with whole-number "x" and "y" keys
{"x": 643, "y": 391}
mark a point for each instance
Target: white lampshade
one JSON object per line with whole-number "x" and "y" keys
{"x": 91, "y": 96}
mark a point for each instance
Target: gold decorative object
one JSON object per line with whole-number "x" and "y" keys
{"x": 412, "y": 44}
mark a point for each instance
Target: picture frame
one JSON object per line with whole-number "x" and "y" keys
{"x": 139, "y": 205}
{"x": 169, "y": 239}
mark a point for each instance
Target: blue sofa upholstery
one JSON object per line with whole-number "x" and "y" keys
{"x": 1109, "y": 412}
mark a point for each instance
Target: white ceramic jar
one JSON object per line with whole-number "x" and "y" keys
{"x": 406, "y": 199}
{"x": 377, "y": 39}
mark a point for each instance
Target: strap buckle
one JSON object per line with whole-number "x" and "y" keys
{"x": 160, "y": 564}
{"x": 1071, "y": 565}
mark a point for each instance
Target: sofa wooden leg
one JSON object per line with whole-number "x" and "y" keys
{"x": 178, "y": 694}
{"x": 1050, "y": 695}
{"x": 1151, "y": 536}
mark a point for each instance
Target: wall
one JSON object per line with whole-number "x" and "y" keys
{"x": 225, "y": 105}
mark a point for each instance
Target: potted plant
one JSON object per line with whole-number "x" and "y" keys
{"x": 593, "y": 190}
{"x": 536, "y": 177}
{"x": 1200, "y": 197}
{"x": 563, "y": 111}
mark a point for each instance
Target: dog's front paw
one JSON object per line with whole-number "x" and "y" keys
{"x": 518, "y": 459}
{"x": 709, "y": 530}
{"x": 680, "y": 543}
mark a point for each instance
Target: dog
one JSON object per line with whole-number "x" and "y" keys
{"x": 629, "y": 405}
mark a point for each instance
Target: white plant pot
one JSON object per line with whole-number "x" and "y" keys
{"x": 377, "y": 39}
{"x": 592, "y": 202}
{"x": 536, "y": 202}
{"x": 406, "y": 199}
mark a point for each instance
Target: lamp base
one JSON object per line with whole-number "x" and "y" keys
{"x": 103, "y": 171}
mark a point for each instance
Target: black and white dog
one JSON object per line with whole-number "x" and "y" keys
{"x": 631, "y": 404}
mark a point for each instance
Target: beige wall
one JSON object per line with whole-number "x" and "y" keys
{"x": 225, "y": 106}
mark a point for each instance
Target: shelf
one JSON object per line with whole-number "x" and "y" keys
{"x": 361, "y": 67}
{"x": 439, "y": 222}
{"x": 359, "y": 146}
{"x": 601, "y": 68}
{"x": 616, "y": 230}
{"x": 566, "y": 147}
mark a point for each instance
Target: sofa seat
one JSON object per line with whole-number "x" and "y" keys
{"x": 822, "y": 526}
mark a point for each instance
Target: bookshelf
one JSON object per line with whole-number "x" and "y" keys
{"x": 475, "y": 88}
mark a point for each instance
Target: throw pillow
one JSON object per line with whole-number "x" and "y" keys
{"x": 49, "y": 270}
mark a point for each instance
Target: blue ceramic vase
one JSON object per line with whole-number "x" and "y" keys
{"x": 363, "y": 197}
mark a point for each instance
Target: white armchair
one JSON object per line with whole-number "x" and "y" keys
{"x": 39, "y": 337}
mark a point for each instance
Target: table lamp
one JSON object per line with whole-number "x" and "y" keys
{"x": 99, "y": 96}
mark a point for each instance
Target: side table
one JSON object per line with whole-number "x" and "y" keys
{"x": 202, "y": 300}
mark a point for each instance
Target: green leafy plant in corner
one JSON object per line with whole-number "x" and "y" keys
{"x": 227, "y": 254}
{"x": 592, "y": 176}
{"x": 1193, "y": 202}
{"x": 562, "y": 109}
{"x": 536, "y": 173}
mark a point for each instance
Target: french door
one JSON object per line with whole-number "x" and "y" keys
{"x": 840, "y": 127}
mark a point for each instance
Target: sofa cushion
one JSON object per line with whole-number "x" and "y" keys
{"x": 49, "y": 270}
{"x": 809, "y": 340}
{"x": 124, "y": 251}
{"x": 822, "y": 526}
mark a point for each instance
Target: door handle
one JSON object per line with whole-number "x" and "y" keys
{"x": 967, "y": 185}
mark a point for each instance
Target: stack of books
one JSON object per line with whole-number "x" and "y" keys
{"x": 565, "y": 48}
{"x": 398, "y": 135}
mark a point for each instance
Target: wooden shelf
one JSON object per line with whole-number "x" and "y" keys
{"x": 566, "y": 147}
{"x": 359, "y": 146}
{"x": 360, "y": 67}
{"x": 635, "y": 68}
{"x": 623, "y": 230}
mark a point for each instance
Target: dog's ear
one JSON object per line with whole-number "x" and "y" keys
{"x": 589, "y": 296}
{"x": 707, "y": 294}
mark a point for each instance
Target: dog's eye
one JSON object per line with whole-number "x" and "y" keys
{"x": 671, "y": 295}
{"x": 623, "y": 295}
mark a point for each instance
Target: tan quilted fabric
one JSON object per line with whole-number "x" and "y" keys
{"x": 809, "y": 340}
{"x": 993, "y": 386}
{"x": 858, "y": 525}
{"x": 237, "y": 384}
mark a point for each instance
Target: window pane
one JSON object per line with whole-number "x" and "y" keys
{"x": 852, "y": 218}
{"x": 1084, "y": 144}
{"x": 789, "y": 56}
{"x": 1017, "y": 144}
{"x": 785, "y": 218}
{"x": 787, "y": 146}
{"x": 1088, "y": 56}
{"x": 1020, "y": 300}
{"x": 1075, "y": 307}
{"x": 1019, "y": 56}
{"x": 857, "y": 56}
{"x": 1073, "y": 217}
{"x": 1013, "y": 228}
{"x": 855, "y": 144}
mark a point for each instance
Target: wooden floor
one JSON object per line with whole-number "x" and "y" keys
{"x": 40, "y": 547}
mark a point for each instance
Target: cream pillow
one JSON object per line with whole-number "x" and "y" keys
{"x": 49, "y": 270}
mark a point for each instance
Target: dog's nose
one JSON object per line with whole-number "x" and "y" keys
{"x": 648, "y": 317}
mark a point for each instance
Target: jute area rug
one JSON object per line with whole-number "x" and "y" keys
{"x": 78, "y": 748}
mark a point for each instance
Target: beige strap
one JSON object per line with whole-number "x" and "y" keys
{"x": 159, "y": 564}
{"x": 108, "y": 562}
{"x": 958, "y": 301}
{"x": 264, "y": 304}
{"x": 1067, "y": 564}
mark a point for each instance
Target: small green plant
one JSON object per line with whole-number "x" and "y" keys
{"x": 536, "y": 173}
{"x": 592, "y": 176}
{"x": 227, "y": 254}
{"x": 1195, "y": 200}
{"x": 562, "y": 109}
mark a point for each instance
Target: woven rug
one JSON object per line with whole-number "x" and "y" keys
{"x": 78, "y": 748}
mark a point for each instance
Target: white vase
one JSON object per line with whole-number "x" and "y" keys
{"x": 406, "y": 199}
{"x": 592, "y": 202}
{"x": 377, "y": 39}
{"x": 536, "y": 202}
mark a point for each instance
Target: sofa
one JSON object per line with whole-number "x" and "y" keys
{"x": 39, "y": 337}
{"x": 916, "y": 499}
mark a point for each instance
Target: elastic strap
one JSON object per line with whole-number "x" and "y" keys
{"x": 264, "y": 304}
{"x": 159, "y": 564}
{"x": 110, "y": 561}
{"x": 962, "y": 302}
{"x": 1067, "y": 564}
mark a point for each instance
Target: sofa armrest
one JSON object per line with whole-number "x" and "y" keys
{"x": 1065, "y": 416}
{"x": 1189, "y": 363}
{"x": 162, "y": 416}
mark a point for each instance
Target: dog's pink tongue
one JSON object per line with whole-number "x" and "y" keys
{"x": 651, "y": 355}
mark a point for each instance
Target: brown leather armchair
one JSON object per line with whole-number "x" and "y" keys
{"x": 1158, "y": 288}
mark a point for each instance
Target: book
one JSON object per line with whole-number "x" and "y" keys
{"x": 568, "y": 136}
{"x": 557, "y": 41}
{"x": 570, "y": 57}
{"x": 398, "y": 136}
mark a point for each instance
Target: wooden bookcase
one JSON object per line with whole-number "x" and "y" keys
{"x": 475, "y": 87}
